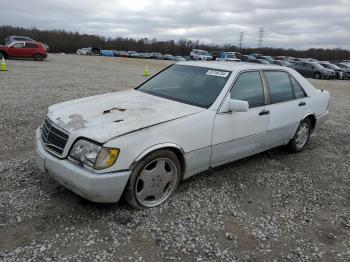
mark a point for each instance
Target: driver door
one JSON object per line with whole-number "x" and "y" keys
{"x": 16, "y": 50}
{"x": 240, "y": 134}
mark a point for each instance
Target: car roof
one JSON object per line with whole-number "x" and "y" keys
{"x": 229, "y": 66}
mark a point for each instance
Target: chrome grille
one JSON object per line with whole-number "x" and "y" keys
{"x": 55, "y": 140}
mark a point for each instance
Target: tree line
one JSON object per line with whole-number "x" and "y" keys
{"x": 69, "y": 42}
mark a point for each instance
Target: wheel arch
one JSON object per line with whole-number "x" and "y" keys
{"x": 38, "y": 53}
{"x": 176, "y": 149}
{"x": 312, "y": 118}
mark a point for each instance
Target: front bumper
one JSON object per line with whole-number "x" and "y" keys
{"x": 321, "y": 119}
{"x": 102, "y": 188}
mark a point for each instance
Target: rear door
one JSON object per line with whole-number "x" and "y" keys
{"x": 288, "y": 104}
{"x": 29, "y": 49}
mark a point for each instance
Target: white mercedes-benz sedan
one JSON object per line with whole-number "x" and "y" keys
{"x": 188, "y": 118}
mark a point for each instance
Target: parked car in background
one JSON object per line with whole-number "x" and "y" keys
{"x": 168, "y": 57}
{"x": 340, "y": 72}
{"x": 239, "y": 109}
{"x": 197, "y": 54}
{"x": 215, "y": 54}
{"x": 284, "y": 58}
{"x": 267, "y": 58}
{"x": 247, "y": 57}
{"x": 84, "y": 51}
{"x": 258, "y": 61}
{"x": 145, "y": 55}
{"x": 228, "y": 56}
{"x": 156, "y": 55}
{"x": 282, "y": 63}
{"x": 134, "y": 55}
{"x": 179, "y": 58}
{"x": 131, "y": 52}
{"x": 256, "y": 55}
{"x": 95, "y": 50}
{"x": 123, "y": 54}
{"x": 26, "y": 49}
{"x": 313, "y": 69}
{"x": 107, "y": 53}
{"x": 342, "y": 65}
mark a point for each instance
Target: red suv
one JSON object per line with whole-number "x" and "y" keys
{"x": 24, "y": 49}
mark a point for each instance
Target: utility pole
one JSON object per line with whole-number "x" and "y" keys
{"x": 260, "y": 36}
{"x": 240, "y": 41}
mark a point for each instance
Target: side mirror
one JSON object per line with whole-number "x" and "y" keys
{"x": 238, "y": 105}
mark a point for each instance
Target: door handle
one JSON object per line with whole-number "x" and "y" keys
{"x": 302, "y": 103}
{"x": 264, "y": 112}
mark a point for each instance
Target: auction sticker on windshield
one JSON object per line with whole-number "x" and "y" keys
{"x": 223, "y": 74}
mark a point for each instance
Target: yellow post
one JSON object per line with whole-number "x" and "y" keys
{"x": 146, "y": 72}
{"x": 3, "y": 65}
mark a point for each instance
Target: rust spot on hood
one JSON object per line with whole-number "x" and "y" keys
{"x": 114, "y": 108}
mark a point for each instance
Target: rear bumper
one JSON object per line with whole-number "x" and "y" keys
{"x": 103, "y": 188}
{"x": 321, "y": 119}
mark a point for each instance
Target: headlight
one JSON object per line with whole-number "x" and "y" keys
{"x": 93, "y": 155}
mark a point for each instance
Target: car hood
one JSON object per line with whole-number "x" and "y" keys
{"x": 107, "y": 116}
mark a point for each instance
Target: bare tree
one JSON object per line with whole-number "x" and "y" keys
{"x": 69, "y": 42}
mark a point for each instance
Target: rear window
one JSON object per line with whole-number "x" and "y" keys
{"x": 193, "y": 85}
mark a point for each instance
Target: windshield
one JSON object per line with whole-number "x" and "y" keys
{"x": 263, "y": 61}
{"x": 344, "y": 65}
{"x": 231, "y": 56}
{"x": 188, "y": 84}
{"x": 268, "y": 58}
{"x": 331, "y": 66}
{"x": 316, "y": 65}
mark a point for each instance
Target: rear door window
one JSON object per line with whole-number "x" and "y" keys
{"x": 249, "y": 87}
{"x": 279, "y": 86}
{"x": 30, "y": 45}
{"x": 298, "y": 90}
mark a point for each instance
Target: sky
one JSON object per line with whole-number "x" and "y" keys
{"x": 299, "y": 24}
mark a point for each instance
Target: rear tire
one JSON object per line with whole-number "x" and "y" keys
{"x": 153, "y": 180}
{"x": 38, "y": 57}
{"x": 301, "y": 136}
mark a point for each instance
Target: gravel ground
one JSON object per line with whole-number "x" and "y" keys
{"x": 274, "y": 206}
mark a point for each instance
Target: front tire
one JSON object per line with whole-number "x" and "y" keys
{"x": 153, "y": 180}
{"x": 301, "y": 137}
{"x": 38, "y": 57}
{"x": 317, "y": 75}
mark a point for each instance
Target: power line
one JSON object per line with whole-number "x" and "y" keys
{"x": 240, "y": 41}
{"x": 260, "y": 36}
